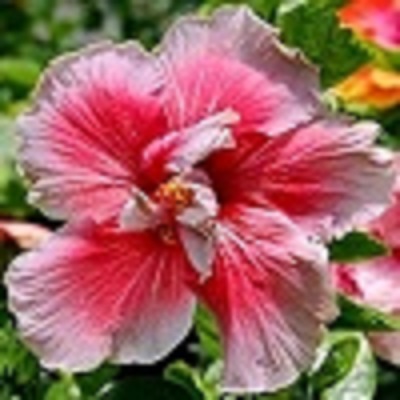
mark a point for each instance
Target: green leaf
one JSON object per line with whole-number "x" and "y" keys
{"x": 185, "y": 376}
{"x": 146, "y": 388}
{"x": 93, "y": 382}
{"x": 265, "y": 8}
{"x": 312, "y": 25}
{"x": 15, "y": 360}
{"x": 208, "y": 333}
{"x": 355, "y": 316}
{"x": 355, "y": 246}
{"x": 339, "y": 361}
{"x": 64, "y": 389}
{"x": 20, "y": 72}
{"x": 345, "y": 368}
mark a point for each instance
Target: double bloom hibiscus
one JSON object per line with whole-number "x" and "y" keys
{"x": 208, "y": 169}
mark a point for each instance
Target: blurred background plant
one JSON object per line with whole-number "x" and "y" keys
{"x": 358, "y": 76}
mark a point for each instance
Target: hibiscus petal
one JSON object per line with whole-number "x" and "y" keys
{"x": 387, "y": 226}
{"x": 235, "y": 60}
{"x": 376, "y": 282}
{"x": 90, "y": 294}
{"x": 386, "y": 346}
{"x": 139, "y": 213}
{"x": 327, "y": 176}
{"x": 180, "y": 151}
{"x": 200, "y": 141}
{"x": 200, "y": 249}
{"x": 260, "y": 292}
{"x": 92, "y": 114}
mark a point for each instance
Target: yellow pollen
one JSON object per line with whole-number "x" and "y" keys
{"x": 174, "y": 194}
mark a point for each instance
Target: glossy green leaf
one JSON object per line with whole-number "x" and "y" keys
{"x": 355, "y": 316}
{"x": 355, "y": 246}
{"x": 64, "y": 389}
{"x": 93, "y": 382}
{"x": 312, "y": 25}
{"x": 186, "y": 376}
{"x": 21, "y": 72}
{"x": 345, "y": 368}
{"x": 146, "y": 388}
{"x": 15, "y": 360}
{"x": 207, "y": 330}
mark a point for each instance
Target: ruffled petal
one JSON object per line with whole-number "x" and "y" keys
{"x": 181, "y": 151}
{"x": 260, "y": 293}
{"x": 327, "y": 176}
{"x": 89, "y": 294}
{"x": 234, "y": 60}
{"x": 93, "y": 113}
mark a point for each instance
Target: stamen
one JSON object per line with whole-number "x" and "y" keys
{"x": 174, "y": 195}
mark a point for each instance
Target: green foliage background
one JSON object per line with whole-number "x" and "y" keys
{"x": 34, "y": 31}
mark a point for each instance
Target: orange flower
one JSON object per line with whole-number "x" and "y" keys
{"x": 371, "y": 86}
{"x": 375, "y": 20}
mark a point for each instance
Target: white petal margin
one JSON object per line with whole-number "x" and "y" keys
{"x": 236, "y": 33}
{"x": 91, "y": 294}
{"x": 271, "y": 293}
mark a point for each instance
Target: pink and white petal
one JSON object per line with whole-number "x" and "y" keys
{"x": 344, "y": 277}
{"x": 139, "y": 213}
{"x": 76, "y": 296}
{"x": 200, "y": 141}
{"x": 387, "y": 226}
{"x": 180, "y": 151}
{"x": 376, "y": 282}
{"x": 260, "y": 293}
{"x": 197, "y": 230}
{"x": 327, "y": 176}
{"x": 200, "y": 249}
{"x": 386, "y": 346}
{"x": 235, "y": 60}
{"x": 92, "y": 114}
{"x": 204, "y": 207}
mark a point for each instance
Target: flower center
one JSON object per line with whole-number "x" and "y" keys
{"x": 167, "y": 234}
{"x": 181, "y": 210}
{"x": 174, "y": 195}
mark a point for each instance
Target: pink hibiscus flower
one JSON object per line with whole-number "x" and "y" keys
{"x": 376, "y": 282}
{"x": 375, "y": 20}
{"x": 205, "y": 170}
